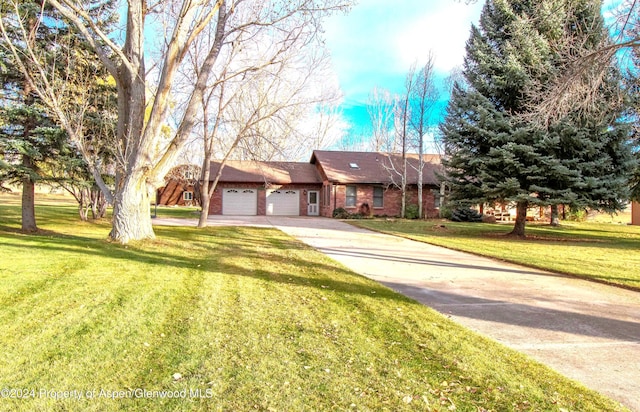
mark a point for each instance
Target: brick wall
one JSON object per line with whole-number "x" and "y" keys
{"x": 172, "y": 194}
{"x": 392, "y": 200}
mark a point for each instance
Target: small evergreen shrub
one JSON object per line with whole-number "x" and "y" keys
{"x": 466, "y": 215}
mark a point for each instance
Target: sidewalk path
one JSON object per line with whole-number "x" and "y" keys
{"x": 587, "y": 331}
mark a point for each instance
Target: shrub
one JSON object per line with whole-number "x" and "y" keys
{"x": 489, "y": 219}
{"x": 445, "y": 212}
{"x": 411, "y": 212}
{"x": 341, "y": 213}
{"x": 466, "y": 215}
{"x": 364, "y": 209}
{"x": 577, "y": 215}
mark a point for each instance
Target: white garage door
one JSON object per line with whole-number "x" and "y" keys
{"x": 240, "y": 202}
{"x": 283, "y": 202}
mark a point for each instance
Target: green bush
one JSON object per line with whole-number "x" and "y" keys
{"x": 466, "y": 215}
{"x": 577, "y": 215}
{"x": 341, "y": 213}
{"x": 411, "y": 212}
{"x": 446, "y": 212}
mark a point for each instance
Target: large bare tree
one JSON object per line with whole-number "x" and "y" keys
{"x": 260, "y": 106}
{"x": 380, "y": 106}
{"x": 145, "y": 98}
{"x": 424, "y": 97}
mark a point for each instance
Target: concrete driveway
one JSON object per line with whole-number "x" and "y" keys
{"x": 586, "y": 331}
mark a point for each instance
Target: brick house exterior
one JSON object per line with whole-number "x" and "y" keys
{"x": 374, "y": 179}
{"x": 264, "y": 177}
{"x": 635, "y": 213}
{"x": 355, "y": 181}
{"x": 182, "y": 187}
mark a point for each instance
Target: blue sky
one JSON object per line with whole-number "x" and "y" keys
{"x": 376, "y": 43}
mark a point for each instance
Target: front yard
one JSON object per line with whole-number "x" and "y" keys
{"x": 603, "y": 252}
{"x": 234, "y": 319}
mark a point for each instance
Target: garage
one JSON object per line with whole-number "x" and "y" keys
{"x": 283, "y": 202}
{"x": 240, "y": 202}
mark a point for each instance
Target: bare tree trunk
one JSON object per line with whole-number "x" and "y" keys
{"x": 555, "y": 218}
{"x": 208, "y": 189}
{"x": 521, "y": 219}
{"x": 420, "y": 178}
{"x": 82, "y": 204}
{"x": 131, "y": 212}
{"x": 28, "y": 199}
{"x": 404, "y": 184}
{"x": 405, "y": 114}
{"x": 98, "y": 203}
{"x": 204, "y": 191}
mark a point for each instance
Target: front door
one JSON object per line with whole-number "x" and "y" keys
{"x": 313, "y": 198}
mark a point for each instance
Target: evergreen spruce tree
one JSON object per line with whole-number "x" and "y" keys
{"x": 493, "y": 154}
{"x": 30, "y": 140}
{"x": 27, "y": 136}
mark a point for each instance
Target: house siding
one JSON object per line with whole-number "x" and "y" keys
{"x": 215, "y": 206}
{"x": 172, "y": 194}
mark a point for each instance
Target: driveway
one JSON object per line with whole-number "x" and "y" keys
{"x": 584, "y": 330}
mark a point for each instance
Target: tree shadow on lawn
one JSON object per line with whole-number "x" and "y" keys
{"x": 519, "y": 314}
{"x": 222, "y": 259}
{"x": 367, "y": 254}
{"x": 561, "y": 233}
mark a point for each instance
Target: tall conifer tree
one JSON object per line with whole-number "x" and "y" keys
{"x": 493, "y": 154}
{"x": 30, "y": 139}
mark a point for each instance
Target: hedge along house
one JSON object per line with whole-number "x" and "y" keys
{"x": 265, "y": 188}
{"x": 370, "y": 182}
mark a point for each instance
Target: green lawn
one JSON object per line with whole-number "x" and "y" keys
{"x": 181, "y": 212}
{"x": 600, "y": 251}
{"x": 249, "y": 318}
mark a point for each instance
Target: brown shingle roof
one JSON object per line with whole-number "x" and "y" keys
{"x": 375, "y": 167}
{"x": 282, "y": 173}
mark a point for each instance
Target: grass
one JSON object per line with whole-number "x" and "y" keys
{"x": 249, "y": 318}
{"x": 180, "y": 212}
{"x": 602, "y": 252}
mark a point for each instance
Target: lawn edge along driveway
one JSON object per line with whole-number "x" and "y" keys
{"x": 587, "y": 331}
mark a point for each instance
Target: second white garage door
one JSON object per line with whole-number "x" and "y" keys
{"x": 283, "y": 202}
{"x": 243, "y": 202}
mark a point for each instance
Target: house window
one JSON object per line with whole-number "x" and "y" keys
{"x": 437, "y": 198}
{"x": 354, "y": 166}
{"x": 378, "y": 196}
{"x": 351, "y": 196}
{"x": 187, "y": 195}
{"x": 326, "y": 196}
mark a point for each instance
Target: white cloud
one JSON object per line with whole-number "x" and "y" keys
{"x": 376, "y": 43}
{"x": 442, "y": 29}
